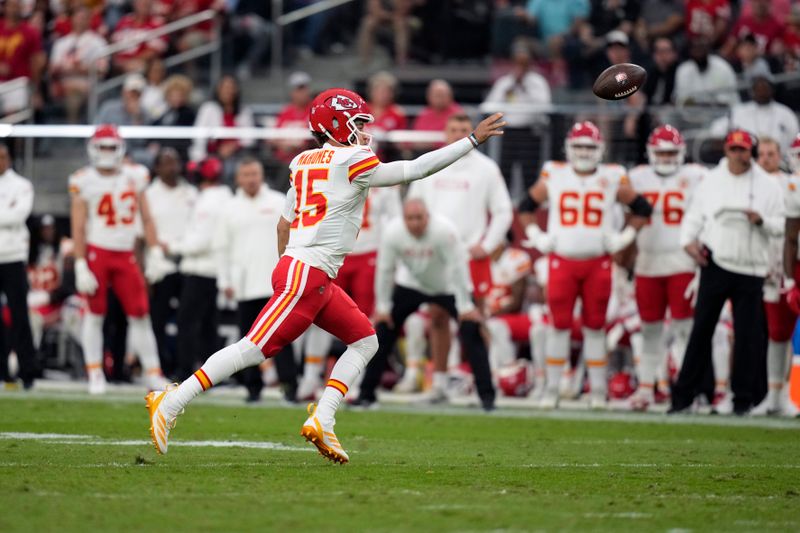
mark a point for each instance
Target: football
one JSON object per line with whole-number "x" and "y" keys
{"x": 619, "y": 81}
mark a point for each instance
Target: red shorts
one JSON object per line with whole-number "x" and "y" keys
{"x": 304, "y": 295}
{"x": 481, "y": 272}
{"x": 119, "y": 271}
{"x": 357, "y": 278}
{"x": 589, "y": 279}
{"x": 655, "y": 294}
{"x": 519, "y": 324}
{"x": 780, "y": 320}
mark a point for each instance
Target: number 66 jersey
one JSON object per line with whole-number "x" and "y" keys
{"x": 660, "y": 252}
{"x": 112, "y": 218}
{"x": 582, "y": 208}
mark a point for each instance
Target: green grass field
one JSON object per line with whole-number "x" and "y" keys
{"x": 409, "y": 471}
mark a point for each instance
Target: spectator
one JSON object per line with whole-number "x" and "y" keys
{"x": 197, "y": 312}
{"x": 522, "y": 87}
{"x": 248, "y": 254}
{"x": 251, "y": 19}
{"x": 556, "y": 22}
{"x": 608, "y": 15}
{"x": 294, "y": 115}
{"x": 16, "y": 203}
{"x": 134, "y": 26}
{"x": 763, "y": 116}
{"x": 705, "y": 78}
{"x": 62, "y": 24}
{"x": 389, "y": 116}
{"x": 737, "y": 208}
{"x": 708, "y": 19}
{"x": 440, "y": 108}
{"x": 381, "y": 13}
{"x": 177, "y": 90}
{"x": 660, "y": 85}
{"x": 789, "y": 45}
{"x": 171, "y": 200}
{"x": 760, "y": 24}
{"x": 749, "y": 61}
{"x": 658, "y": 19}
{"x": 153, "y": 100}
{"x": 21, "y": 56}
{"x": 70, "y": 60}
{"x": 225, "y": 110}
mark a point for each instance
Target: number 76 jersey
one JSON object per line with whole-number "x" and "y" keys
{"x": 582, "y": 208}
{"x": 660, "y": 252}
{"x": 112, "y": 218}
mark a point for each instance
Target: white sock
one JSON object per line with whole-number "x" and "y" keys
{"x": 681, "y": 329}
{"x": 594, "y": 350}
{"x": 220, "y": 366}
{"x": 501, "y": 347}
{"x": 439, "y": 382}
{"x": 143, "y": 343}
{"x": 721, "y": 357}
{"x": 777, "y": 361}
{"x": 318, "y": 346}
{"x": 557, "y": 353}
{"x": 347, "y": 369}
{"x": 416, "y": 343}
{"x": 92, "y": 342}
{"x": 653, "y": 351}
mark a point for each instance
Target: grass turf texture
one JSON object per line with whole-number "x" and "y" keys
{"x": 408, "y": 471}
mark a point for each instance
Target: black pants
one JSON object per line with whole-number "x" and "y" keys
{"x": 248, "y": 311}
{"x": 520, "y": 145}
{"x": 14, "y": 284}
{"x": 197, "y": 324}
{"x": 162, "y": 295}
{"x": 404, "y": 302}
{"x": 750, "y": 344}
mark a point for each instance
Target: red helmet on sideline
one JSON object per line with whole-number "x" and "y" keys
{"x": 666, "y": 150}
{"x": 584, "y": 146}
{"x": 106, "y": 148}
{"x": 334, "y": 112}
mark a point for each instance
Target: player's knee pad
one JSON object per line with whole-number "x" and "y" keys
{"x": 652, "y": 338}
{"x": 365, "y": 348}
{"x": 594, "y": 344}
{"x": 248, "y": 354}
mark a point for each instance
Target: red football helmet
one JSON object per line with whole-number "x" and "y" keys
{"x": 106, "y": 148}
{"x": 584, "y": 146}
{"x": 666, "y": 150}
{"x": 620, "y": 386}
{"x": 334, "y": 113}
{"x": 794, "y": 155}
{"x": 516, "y": 379}
{"x": 209, "y": 169}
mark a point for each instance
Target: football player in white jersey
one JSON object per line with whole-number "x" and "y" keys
{"x": 323, "y": 214}
{"x": 582, "y": 194}
{"x": 663, "y": 269}
{"x": 356, "y": 277}
{"x": 781, "y": 316}
{"x": 107, "y": 207}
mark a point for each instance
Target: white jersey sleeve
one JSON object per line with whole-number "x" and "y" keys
{"x": 660, "y": 250}
{"x": 581, "y": 208}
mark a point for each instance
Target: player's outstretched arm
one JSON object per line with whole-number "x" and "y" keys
{"x": 387, "y": 174}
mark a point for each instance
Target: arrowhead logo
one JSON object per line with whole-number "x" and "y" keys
{"x": 342, "y": 103}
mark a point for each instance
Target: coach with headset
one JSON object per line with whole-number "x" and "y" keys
{"x": 735, "y": 210}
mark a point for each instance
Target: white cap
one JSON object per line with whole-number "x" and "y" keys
{"x": 617, "y": 37}
{"x": 134, "y": 82}
{"x": 299, "y": 79}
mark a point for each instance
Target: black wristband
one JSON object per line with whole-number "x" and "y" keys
{"x": 641, "y": 207}
{"x": 473, "y": 139}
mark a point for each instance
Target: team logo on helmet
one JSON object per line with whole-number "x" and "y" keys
{"x": 621, "y": 77}
{"x": 342, "y": 103}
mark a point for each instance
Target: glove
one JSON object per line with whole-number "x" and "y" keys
{"x": 156, "y": 265}
{"x": 691, "y": 289}
{"x": 614, "y": 242}
{"x": 792, "y": 293}
{"x": 85, "y": 281}
{"x": 536, "y": 238}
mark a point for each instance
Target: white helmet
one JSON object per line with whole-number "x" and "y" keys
{"x": 666, "y": 150}
{"x": 584, "y": 146}
{"x": 106, "y": 148}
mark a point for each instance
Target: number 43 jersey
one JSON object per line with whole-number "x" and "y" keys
{"x": 325, "y": 203}
{"x": 112, "y": 221}
{"x": 660, "y": 252}
{"x": 581, "y": 208}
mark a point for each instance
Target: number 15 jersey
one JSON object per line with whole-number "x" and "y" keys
{"x": 325, "y": 203}
{"x": 581, "y": 207}
{"x": 112, "y": 218}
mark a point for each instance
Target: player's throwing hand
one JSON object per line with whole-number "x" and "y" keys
{"x": 489, "y": 127}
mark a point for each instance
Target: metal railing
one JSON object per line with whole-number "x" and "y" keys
{"x": 17, "y": 115}
{"x": 280, "y": 20}
{"x": 213, "y": 48}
